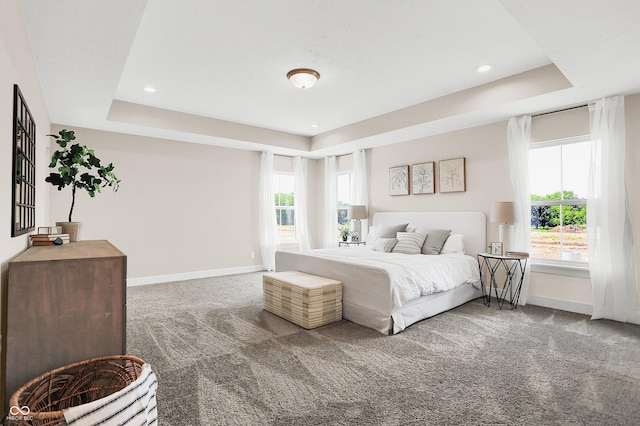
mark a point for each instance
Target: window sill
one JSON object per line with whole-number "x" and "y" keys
{"x": 573, "y": 269}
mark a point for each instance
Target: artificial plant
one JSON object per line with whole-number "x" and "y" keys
{"x": 79, "y": 168}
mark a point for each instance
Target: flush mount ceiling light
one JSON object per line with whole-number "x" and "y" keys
{"x": 150, "y": 89}
{"x": 303, "y": 78}
{"x": 483, "y": 68}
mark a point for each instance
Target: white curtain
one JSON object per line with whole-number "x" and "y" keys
{"x": 330, "y": 232}
{"x": 612, "y": 263}
{"x": 267, "y": 213}
{"x": 518, "y": 144}
{"x": 300, "y": 203}
{"x": 359, "y": 181}
{"x": 359, "y": 192}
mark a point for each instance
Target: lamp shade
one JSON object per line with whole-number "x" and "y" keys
{"x": 303, "y": 78}
{"x": 505, "y": 212}
{"x": 357, "y": 212}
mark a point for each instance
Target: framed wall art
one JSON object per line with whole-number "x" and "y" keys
{"x": 423, "y": 178}
{"x": 452, "y": 175}
{"x": 399, "y": 180}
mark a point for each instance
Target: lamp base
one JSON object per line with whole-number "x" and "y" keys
{"x": 506, "y": 237}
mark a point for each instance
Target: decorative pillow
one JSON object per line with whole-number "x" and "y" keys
{"x": 409, "y": 242}
{"x": 383, "y": 231}
{"x": 385, "y": 244}
{"x": 454, "y": 244}
{"x": 435, "y": 240}
{"x": 372, "y": 236}
{"x": 390, "y": 231}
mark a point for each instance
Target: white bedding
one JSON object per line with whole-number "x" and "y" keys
{"x": 412, "y": 275}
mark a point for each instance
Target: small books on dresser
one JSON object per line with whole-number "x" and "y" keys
{"x": 49, "y": 239}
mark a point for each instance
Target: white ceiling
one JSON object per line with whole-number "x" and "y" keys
{"x": 219, "y": 66}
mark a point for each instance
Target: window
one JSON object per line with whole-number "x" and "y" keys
{"x": 559, "y": 174}
{"x": 344, "y": 196}
{"x": 283, "y": 185}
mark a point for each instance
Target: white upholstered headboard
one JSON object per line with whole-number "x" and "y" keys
{"x": 473, "y": 225}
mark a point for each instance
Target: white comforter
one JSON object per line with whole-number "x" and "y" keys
{"x": 413, "y": 275}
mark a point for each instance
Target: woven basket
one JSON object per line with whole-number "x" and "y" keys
{"x": 74, "y": 384}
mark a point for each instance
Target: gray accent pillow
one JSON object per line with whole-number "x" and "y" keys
{"x": 390, "y": 231}
{"x": 435, "y": 240}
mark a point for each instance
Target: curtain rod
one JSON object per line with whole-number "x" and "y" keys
{"x": 560, "y": 110}
{"x": 294, "y": 156}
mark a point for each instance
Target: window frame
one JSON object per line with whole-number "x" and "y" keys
{"x": 559, "y": 266}
{"x": 274, "y": 175}
{"x": 344, "y": 207}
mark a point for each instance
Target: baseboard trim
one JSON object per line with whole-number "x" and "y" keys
{"x": 565, "y": 305}
{"x": 131, "y": 282}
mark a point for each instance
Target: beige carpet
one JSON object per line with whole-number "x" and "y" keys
{"x": 221, "y": 359}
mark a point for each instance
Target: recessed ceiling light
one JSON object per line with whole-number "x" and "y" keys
{"x": 150, "y": 89}
{"x": 483, "y": 68}
{"x": 315, "y": 126}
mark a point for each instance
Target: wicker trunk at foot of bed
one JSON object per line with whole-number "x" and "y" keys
{"x": 306, "y": 300}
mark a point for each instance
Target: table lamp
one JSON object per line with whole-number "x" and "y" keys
{"x": 506, "y": 213}
{"x": 355, "y": 214}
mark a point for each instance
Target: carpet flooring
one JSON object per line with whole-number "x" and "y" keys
{"x": 221, "y": 360}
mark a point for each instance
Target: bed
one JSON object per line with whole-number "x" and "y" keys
{"x": 389, "y": 291}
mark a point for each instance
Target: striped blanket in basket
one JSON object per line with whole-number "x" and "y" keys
{"x": 133, "y": 405}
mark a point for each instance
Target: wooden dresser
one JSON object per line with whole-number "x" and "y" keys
{"x": 61, "y": 304}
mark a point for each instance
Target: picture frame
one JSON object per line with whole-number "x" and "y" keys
{"x": 496, "y": 249}
{"x": 423, "y": 178}
{"x": 399, "y": 180}
{"x": 452, "y": 175}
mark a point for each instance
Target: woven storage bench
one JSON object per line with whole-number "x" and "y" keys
{"x": 306, "y": 300}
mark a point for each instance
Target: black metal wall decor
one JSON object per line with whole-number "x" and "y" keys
{"x": 23, "y": 216}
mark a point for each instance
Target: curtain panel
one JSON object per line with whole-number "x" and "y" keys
{"x": 330, "y": 228}
{"x": 267, "y": 213}
{"x": 359, "y": 189}
{"x": 518, "y": 145}
{"x": 612, "y": 262}
{"x": 300, "y": 202}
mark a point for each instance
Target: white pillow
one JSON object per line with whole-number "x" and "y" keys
{"x": 385, "y": 244}
{"x": 454, "y": 244}
{"x": 372, "y": 236}
{"x": 409, "y": 242}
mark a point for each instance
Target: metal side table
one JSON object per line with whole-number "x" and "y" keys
{"x": 490, "y": 266}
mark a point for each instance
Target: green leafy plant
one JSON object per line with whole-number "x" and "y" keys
{"x": 79, "y": 168}
{"x": 344, "y": 231}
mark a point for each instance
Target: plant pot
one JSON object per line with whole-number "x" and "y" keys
{"x": 71, "y": 228}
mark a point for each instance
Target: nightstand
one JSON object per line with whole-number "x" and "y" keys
{"x": 513, "y": 269}
{"x": 350, "y": 243}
